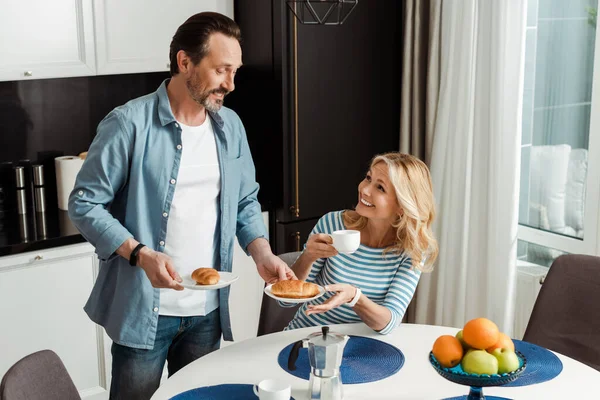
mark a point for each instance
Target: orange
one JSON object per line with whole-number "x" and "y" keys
{"x": 504, "y": 342}
{"x": 480, "y": 333}
{"x": 447, "y": 350}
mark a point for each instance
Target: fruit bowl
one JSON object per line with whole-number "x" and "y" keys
{"x": 475, "y": 381}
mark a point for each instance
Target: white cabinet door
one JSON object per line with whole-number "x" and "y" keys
{"x": 134, "y": 35}
{"x": 42, "y": 295}
{"x": 246, "y": 295}
{"x": 46, "y": 39}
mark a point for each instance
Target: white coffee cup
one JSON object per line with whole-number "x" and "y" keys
{"x": 272, "y": 389}
{"x": 346, "y": 241}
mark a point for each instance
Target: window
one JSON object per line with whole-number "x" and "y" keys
{"x": 560, "y": 174}
{"x": 531, "y": 253}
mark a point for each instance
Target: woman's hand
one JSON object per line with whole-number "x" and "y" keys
{"x": 319, "y": 245}
{"x": 345, "y": 294}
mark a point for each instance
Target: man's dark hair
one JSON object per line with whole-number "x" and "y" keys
{"x": 193, "y": 35}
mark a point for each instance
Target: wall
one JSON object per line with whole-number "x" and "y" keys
{"x": 62, "y": 114}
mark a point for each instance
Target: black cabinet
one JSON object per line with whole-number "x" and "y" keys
{"x": 318, "y": 102}
{"x": 292, "y": 236}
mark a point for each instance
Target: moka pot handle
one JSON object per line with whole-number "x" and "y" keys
{"x": 294, "y": 355}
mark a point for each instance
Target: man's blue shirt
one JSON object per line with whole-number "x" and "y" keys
{"x": 125, "y": 189}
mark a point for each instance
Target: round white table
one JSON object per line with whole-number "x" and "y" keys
{"x": 250, "y": 361}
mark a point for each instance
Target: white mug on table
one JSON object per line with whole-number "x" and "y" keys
{"x": 346, "y": 241}
{"x": 272, "y": 389}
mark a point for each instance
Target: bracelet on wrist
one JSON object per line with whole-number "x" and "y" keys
{"x": 134, "y": 254}
{"x": 353, "y": 302}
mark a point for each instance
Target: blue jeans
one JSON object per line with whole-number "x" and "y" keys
{"x": 136, "y": 373}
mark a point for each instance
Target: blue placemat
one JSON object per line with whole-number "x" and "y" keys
{"x": 542, "y": 364}
{"x": 486, "y": 398}
{"x": 364, "y": 360}
{"x": 219, "y": 392}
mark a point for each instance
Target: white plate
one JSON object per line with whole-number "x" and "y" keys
{"x": 227, "y": 278}
{"x": 269, "y": 293}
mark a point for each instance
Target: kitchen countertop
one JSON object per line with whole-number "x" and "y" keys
{"x": 36, "y": 231}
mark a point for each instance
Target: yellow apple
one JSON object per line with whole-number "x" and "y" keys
{"x": 507, "y": 360}
{"x": 479, "y": 362}
{"x": 464, "y": 344}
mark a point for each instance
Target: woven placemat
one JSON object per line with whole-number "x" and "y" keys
{"x": 542, "y": 364}
{"x": 219, "y": 392}
{"x": 486, "y": 398}
{"x": 364, "y": 360}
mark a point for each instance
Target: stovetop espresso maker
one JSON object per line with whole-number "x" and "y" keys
{"x": 325, "y": 350}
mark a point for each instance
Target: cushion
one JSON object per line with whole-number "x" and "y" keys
{"x": 575, "y": 189}
{"x": 548, "y": 180}
{"x": 537, "y": 254}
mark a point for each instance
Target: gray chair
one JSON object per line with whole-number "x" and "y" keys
{"x": 565, "y": 315}
{"x": 38, "y": 376}
{"x": 273, "y": 317}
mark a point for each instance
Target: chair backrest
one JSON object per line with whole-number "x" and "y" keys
{"x": 38, "y": 376}
{"x": 273, "y": 317}
{"x": 565, "y": 314}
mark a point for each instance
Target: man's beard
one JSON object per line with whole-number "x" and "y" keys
{"x": 203, "y": 97}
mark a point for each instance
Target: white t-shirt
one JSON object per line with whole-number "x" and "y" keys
{"x": 191, "y": 239}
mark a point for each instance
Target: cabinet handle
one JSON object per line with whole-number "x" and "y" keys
{"x": 38, "y": 258}
{"x": 28, "y": 73}
{"x": 296, "y": 235}
{"x": 295, "y": 209}
{"x": 542, "y": 279}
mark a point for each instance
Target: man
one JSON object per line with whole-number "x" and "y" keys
{"x": 167, "y": 185}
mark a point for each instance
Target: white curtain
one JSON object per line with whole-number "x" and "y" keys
{"x": 475, "y": 164}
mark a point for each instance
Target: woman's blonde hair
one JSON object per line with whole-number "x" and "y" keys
{"x": 414, "y": 192}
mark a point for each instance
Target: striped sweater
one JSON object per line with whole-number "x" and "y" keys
{"x": 388, "y": 280}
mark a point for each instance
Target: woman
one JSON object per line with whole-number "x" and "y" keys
{"x": 374, "y": 284}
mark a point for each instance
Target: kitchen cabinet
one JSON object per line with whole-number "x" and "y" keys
{"x": 46, "y": 39}
{"x": 41, "y": 307}
{"x": 134, "y": 35}
{"x": 333, "y": 95}
{"x": 292, "y": 236}
{"x": 66, "y": 38}
{"x": 42, "y": 295}
{"x": 246, "y": 294}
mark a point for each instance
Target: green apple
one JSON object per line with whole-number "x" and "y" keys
{"x": 507, "y": 360}
{"x": 464, "y": 344}
{"x": 479, "y": 362}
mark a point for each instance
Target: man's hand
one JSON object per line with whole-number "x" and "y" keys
{"x": 345, "y": 294}
{"x": 159, "y": 268}
{"x": 270, "y": 267}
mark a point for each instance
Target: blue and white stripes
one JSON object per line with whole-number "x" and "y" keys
{"x": 388, "y": 280}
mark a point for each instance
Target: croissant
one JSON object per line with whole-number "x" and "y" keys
{"x": 206, "y": 276}
{"x": 294, "y": 289}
